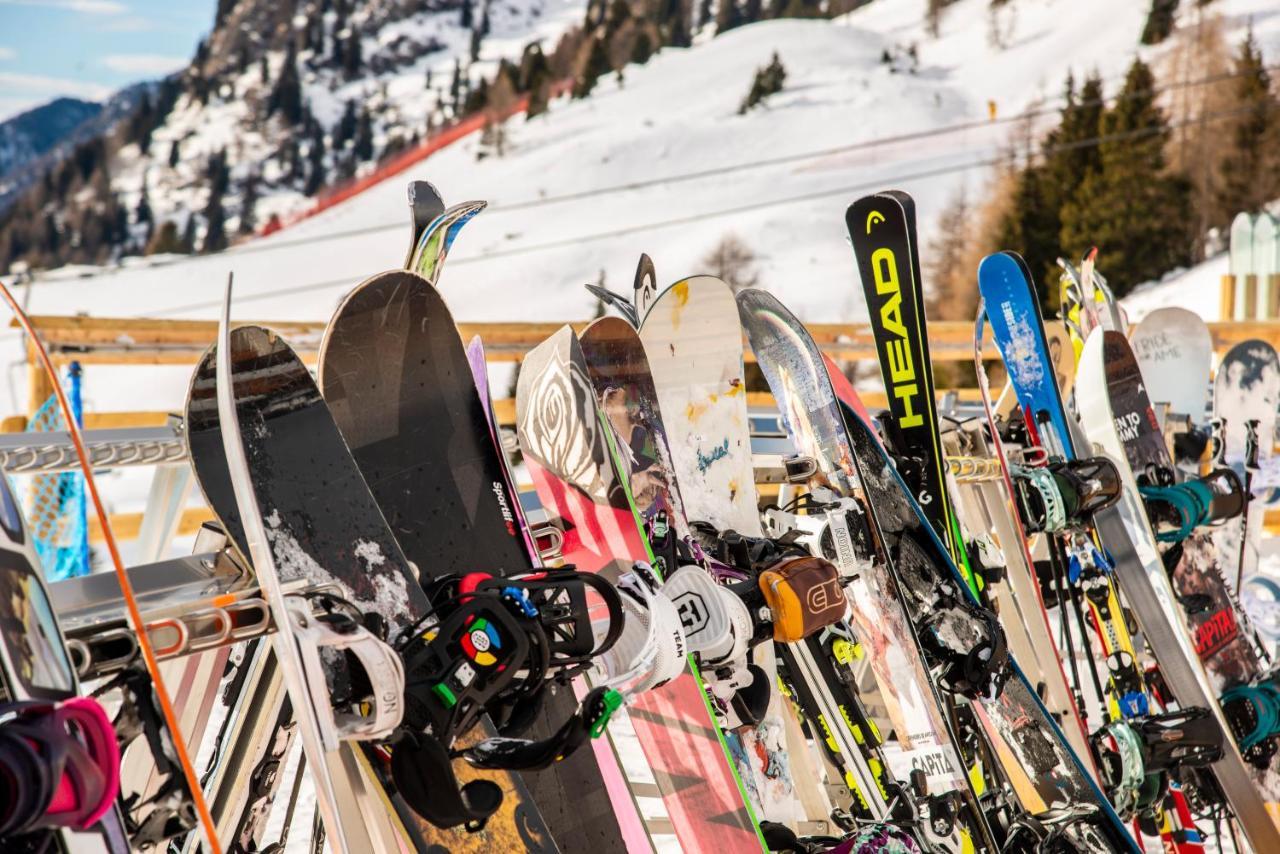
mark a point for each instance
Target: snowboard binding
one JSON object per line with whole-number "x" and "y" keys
{"x": 1139, "y": 755}
{"x": 1178, "y": 509}
{"x": 1253, "y": 714}
{"x": 59, "y": 765}
{"x": 1065, "y": 494}
{"x": 492, "y": 646}
{"x": 169, "y": 811}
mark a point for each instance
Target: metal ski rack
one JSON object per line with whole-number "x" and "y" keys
{"x": 47, "y": 453}
{"x": 190, "y": 604}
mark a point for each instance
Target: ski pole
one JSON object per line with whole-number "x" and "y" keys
{"x": 1250, "y": 466}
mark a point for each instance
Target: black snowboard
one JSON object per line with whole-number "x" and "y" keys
{"x": 396, "y": 375}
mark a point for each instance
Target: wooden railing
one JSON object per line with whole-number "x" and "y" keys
{"x": 134, "y": 341}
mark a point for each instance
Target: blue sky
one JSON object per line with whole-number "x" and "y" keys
{"x": 89, "y": 48}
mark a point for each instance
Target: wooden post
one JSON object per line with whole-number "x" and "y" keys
{"x": 38, "y": 386}
{"x": 1273, "y": 296}
{"x": 1250, "y": 296}
{"x": 1227, "y": 298}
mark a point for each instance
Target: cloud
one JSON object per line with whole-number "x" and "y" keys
{"x": 88, "y": 7}
{"x": 131, "y": 24}
{"x": 36, "y": 87}
{"x": 7, "y": 54}
{"x": 149, "y": 64}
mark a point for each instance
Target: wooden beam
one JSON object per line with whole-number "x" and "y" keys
{"x": 97, "y": 421}
{"x": 127, "y": 525}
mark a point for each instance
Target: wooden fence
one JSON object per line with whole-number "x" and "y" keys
{"x": 150, "y": 342}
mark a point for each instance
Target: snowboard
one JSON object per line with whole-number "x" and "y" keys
{"x": 1247, "y": 386}
{"x": 1175, "y": 352}
{"x": 285, "y": 484}
{"x": 619, "y": 370}
{"x": 402, "y": 391}
{"x": 1117, "y": 416}
{"x": 700, "y": 393}
{"x": 566, "y": 442}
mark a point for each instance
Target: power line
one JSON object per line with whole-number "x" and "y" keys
{"x": 631, "y": 186}
{"x": 849, "y": 190}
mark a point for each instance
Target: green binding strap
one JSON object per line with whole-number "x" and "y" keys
{"x": 1192, "y": 501}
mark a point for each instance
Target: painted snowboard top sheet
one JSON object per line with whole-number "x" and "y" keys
{"x": 1174, "y": 349}
{"x": 568, "y": 452}
{"x": 702, "y": 395}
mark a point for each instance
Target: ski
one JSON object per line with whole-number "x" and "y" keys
{"x": 932, "y": 599}
{"x": 425, "y": 205}
{"x": 883, "y": 230}
{"x": 436, "y": 239}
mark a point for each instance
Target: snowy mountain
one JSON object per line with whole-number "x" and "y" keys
{"x": 280, "y": 101}
{"x": 662, "y": 162}
{"x": 27, "y": 136}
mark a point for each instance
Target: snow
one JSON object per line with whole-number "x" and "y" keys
{"x": 527, "y": 256}
{"x": 1197, "y": 289}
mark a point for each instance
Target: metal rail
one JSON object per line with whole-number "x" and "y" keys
{"x": 38, "y": 453}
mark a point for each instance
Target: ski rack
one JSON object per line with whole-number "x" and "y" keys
{"x": 48, "y": 453}
{"x": 189, "y": 605}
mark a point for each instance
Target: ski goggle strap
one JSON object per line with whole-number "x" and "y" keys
{"x": 59, "y": 765}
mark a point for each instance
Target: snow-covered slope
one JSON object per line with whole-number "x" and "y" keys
{"x": 1197, "y": 289}
{"x": 527, "y": 257}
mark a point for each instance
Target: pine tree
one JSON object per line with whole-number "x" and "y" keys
{"x": 220, "y": 12}
{"x": 642, "y": 49}
{"x": 346, "y": 128}
{"x": 248, "y": 204}
{"x": 1159, "y": 21}
{"x": 768, "y": 81}
{"x": 352, "y": 56}
{"x": 142, "y": 214}
{"x": 1131, "y": 207}
{"x": 535, "y": 78}
{"x": 727, "y": 16}
{"x": 188, "y": 243}
{"x": 455, "y": 87}
{"x": 705, "y": 13}
{"x": 316, "y": 174}
{"x": 363, "y": 148}
{"x": 465, "y": 20}
{"x": 165, "y": 240}
{"x": 1032, "y": 224}
{"x": 1250, "y": 164}
{"x": 175, "y": 154}
{"x": 286, "y": 95}
{"x": 595, "y": 62}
